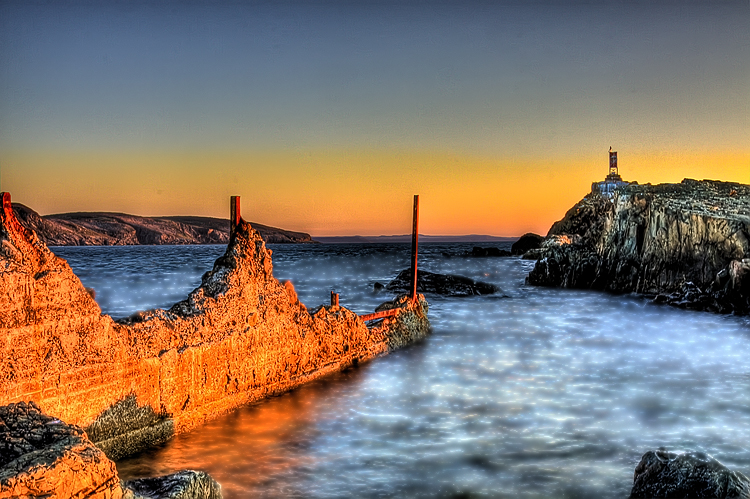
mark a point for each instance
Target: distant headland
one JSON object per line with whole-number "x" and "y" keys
{"x": 119, "y": 229}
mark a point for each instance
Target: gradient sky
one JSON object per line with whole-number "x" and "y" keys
{"x": 327, "y": 117}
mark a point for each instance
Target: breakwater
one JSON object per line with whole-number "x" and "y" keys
{"x": 240, "y": 336}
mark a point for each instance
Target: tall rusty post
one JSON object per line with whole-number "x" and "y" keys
{"x": 334, "y": 299}
{"x": 6, "y": 204}
{"x": 414, "y": 247}
{"x": 235, "y": 214}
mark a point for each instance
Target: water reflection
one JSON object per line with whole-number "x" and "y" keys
{"x": 276, "y": 436}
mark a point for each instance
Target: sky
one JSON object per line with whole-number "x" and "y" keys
{"x": 327, "y": 117}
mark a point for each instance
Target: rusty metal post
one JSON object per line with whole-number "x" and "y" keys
{"x": 414, "y": 247}
{"x": 334, "y": 299}
{"x": 6, "y": 205}
{"x": 234, "y": 214}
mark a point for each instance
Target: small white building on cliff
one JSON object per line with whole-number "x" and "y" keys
{"x": 612, "y": 181}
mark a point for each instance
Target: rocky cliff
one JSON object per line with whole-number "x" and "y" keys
{"x": 686, "y": 244}
{"x": 240, "y": 336}
{"x": 117, "y": 229}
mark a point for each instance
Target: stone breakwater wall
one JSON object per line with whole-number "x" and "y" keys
{"x": 686, "y": 244}
{"x": 239, "y": 337}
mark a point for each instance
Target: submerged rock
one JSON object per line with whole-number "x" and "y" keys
{"x": 478, "y": 251}
{"x": 186, "y": 484}
{"x": 687, "y": 244}
{"x": 526, "y": 242}
{"x": 441, "y": 284}
{"x": 688, "y": 475}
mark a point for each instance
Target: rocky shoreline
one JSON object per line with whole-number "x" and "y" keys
{"x": 686, "y": 245}
{"x": 239, "y": 337}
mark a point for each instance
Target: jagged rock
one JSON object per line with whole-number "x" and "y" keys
{"x": 526, "y": 242}
{"x": 441, "y": 284}
{"x": 686, "y": 244}
{"x": 186, "y": 484}
{"x": 478, "y": 251}
{"x": 688, "y": 475}
{"x": 239, "y": 337}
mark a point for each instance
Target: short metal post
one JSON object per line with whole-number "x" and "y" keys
{"x": 414, "y": 248}
{"x": 334, "y": 299}
{"x": 234, "y": 214}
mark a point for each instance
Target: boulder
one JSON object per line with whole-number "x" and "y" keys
{"x": 441, "y": 284}
{"x": 687, "y": 475}
{"x": 43, "y": 457}
{"x": 528, "y": 241}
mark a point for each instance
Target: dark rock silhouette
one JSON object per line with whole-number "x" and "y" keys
{"x": 685, "y": 244}
{"x": 478, "y": 251}
{"x": 689, "y": 475}
{"x": 441, "y": 284}
{"x": 526, "y": 242}
{"x": 115, "y": 229}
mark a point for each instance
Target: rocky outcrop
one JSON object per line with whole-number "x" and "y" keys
{"x": 526, "y": 242}
{"x": 441, "y": 284}
{"x": 41, "y": 456}
{"x": 239, "y": 337}
{"x": 118, "y": 229}
{"x": 685, "y": 244}
{"x": 688, "y": 475}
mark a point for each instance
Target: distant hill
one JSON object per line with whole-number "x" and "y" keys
{"x": 118, "y": 229}
{"x": 471, "y": 238}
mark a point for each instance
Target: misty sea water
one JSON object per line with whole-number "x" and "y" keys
{"x": 533, "y": 392}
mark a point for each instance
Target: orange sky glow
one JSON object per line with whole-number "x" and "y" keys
{"x": 346, "y": 192}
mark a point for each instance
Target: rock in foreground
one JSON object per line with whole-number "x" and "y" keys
{"x": 689, "y": 475}
{"x": 687, "y": 244}
{"x": 441, "y": 284}
{"x": 43, "y": 457}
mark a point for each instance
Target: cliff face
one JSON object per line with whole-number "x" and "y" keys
{"x": 687, "y": 244}
{"x": 111, "y": 229}
{"x": 241, "y": 336}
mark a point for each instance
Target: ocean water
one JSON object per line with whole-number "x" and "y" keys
{"x": 530, "y": 393}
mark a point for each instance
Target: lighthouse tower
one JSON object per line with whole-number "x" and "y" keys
{"x": 614, "y": 174}
{"x": 612, "y": 181}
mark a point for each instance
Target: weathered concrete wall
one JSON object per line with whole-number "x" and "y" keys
{"x": 241, "y": 336}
